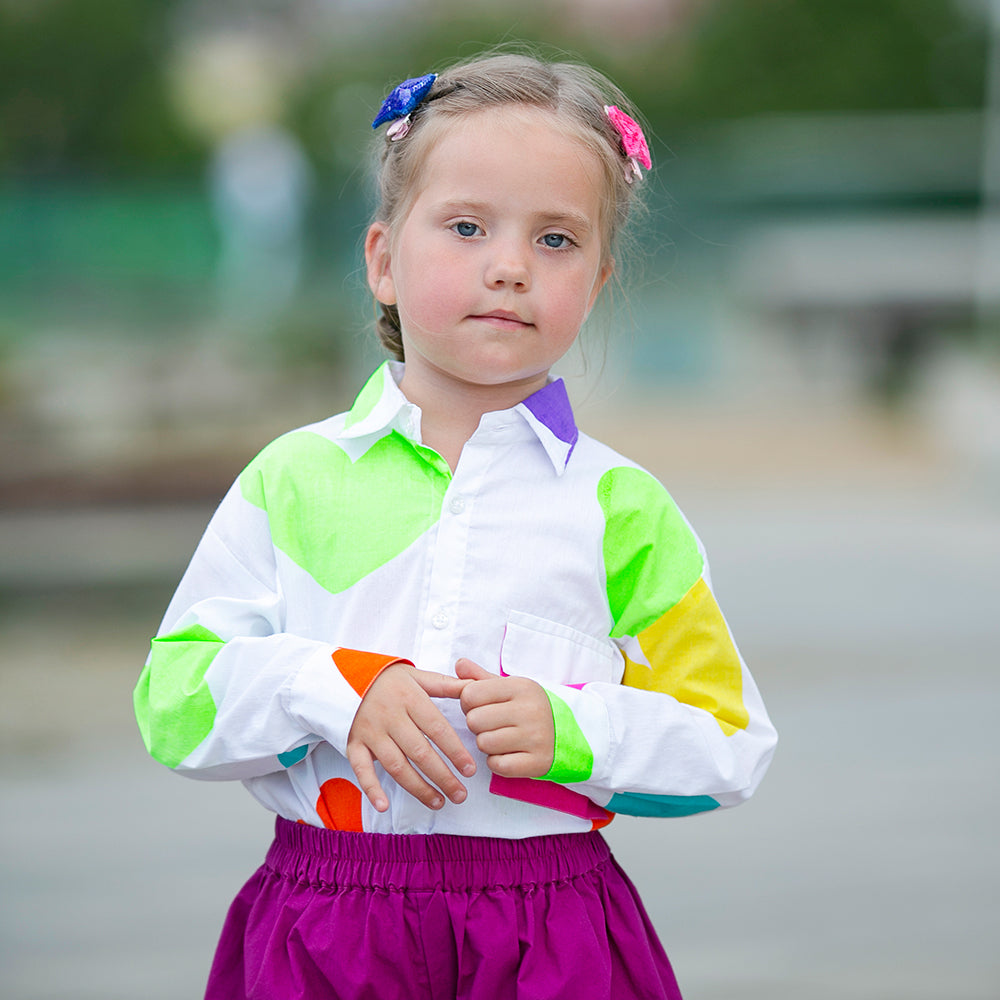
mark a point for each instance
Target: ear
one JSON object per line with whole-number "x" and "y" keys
{"x": 607, "y": 269}
{"x": 377, "y": 262}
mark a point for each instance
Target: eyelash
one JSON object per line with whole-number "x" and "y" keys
{"x": 568, "y": 241}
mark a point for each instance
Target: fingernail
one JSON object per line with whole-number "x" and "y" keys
{"x": 469, "y": 770}
{"x": 460, "y": 795}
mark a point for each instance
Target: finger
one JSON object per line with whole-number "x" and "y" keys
{"x": 469, "y": 670}
{"x": 439, "y": 685}
{"x": 422, "y": 755}
{"x": 363, "y": 765}
{"x": 398, "y": 766}
{"x": 432, "y": 723}
{"x": 495, "y": 691}
{"x": 518, "y": 765}
{"x": 489, "y": 715}
{"x": 501, "y": 741}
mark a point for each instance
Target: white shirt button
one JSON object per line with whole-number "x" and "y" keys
{"x": 457, "y": 505}
{"x": 440, "y": 620}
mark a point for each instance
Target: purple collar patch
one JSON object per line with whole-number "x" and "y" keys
{"x": 550, "y": 406}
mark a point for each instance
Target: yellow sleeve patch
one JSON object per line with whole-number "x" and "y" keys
{"x": 692, "y": 658}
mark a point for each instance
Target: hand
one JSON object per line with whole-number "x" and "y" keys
{"x": 398, "y": 725}
{"x": 512, "y": 720}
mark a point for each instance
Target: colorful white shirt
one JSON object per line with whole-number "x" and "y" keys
{"x": 348, "y": 544}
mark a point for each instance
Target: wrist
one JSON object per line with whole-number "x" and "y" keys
{"x": 360, "y": 668}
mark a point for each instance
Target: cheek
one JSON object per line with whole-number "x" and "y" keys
{"x": 571, "y": 302}
{"x": 433, "y": 293}
{"x": 426, "y": 306}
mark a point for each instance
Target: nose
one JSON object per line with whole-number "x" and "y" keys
{"x": 509, "y": 268}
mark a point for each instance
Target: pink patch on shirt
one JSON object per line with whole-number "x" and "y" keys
{"x": 550, "y": 795}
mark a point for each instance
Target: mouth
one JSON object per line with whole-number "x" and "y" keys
{"x": 503, "y": 320}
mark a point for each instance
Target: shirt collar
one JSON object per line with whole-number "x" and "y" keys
{"x": 381, "y": 407}
{"x": 550, "y": 415}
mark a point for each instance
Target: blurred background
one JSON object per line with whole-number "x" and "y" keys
{"x": 807, "y": 353}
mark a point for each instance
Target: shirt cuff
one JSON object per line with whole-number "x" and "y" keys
{"x": 360, "y": 669}
{"x": 326, "y": 691}
{"x": 572, "y": 756}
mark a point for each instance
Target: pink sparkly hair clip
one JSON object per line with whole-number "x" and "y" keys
{"x": 633, "y": 142}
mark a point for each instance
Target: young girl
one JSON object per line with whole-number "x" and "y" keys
{"x": 445, "y": 636}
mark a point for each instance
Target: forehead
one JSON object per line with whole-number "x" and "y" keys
{"x": 522, "y": 147}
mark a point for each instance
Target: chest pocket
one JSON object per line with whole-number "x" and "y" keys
{"x": 557, "y": 654}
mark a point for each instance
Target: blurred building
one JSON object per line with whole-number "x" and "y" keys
{"x": 819, "y": 225}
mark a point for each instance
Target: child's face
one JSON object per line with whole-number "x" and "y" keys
{"x": 499, "y": 259}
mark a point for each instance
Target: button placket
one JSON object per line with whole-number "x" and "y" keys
{"x": 447, "y": 573}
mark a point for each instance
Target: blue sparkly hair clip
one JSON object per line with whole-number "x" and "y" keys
{"x": 401, "y": 103}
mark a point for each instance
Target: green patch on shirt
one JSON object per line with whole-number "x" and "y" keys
{"x": 573, "y": 759}
{"x": 172, "y": 698}
{"x": 651, "y": 556}
{"x": 368, "y": 398}
{"x": 342, "y": 520}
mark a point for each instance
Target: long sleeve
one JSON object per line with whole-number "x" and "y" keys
{"x": 227, "y": 692}
{"x": 348, "y": 545}
{"x": 685, "y": 730}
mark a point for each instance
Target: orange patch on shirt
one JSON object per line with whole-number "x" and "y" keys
{"x": 360, "y": 668}
{"x": 339, "y": 805}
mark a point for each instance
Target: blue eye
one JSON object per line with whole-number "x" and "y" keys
{"x": 466, "y": 228}
{"x": 556, "y": 240}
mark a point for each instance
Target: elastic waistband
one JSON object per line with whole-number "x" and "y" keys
{"x": 334, "y": 859}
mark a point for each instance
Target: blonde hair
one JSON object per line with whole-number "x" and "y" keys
{"x": 576, "y": 96}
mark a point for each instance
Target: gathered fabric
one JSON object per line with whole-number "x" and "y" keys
{"x": 335, "y": 915}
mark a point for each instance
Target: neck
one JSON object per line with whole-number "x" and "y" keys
{"x": 450, "y": 411}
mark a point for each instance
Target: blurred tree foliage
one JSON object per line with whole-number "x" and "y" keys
{"x": 83, "y": 83}
{"x": 760, "y": 56}
{"x": 731, "y": 59}
{"x": 83, "y": 89}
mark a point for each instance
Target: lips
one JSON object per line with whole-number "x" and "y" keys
{"x": 503, "y": 318}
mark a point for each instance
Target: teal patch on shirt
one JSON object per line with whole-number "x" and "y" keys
{"x": 291, "y": 757}
{"x": 639, "y": 804}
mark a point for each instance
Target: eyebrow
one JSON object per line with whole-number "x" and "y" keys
{"x": 572, "y": 220}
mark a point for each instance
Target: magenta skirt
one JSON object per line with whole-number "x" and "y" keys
{"x": 347, "y": 916}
